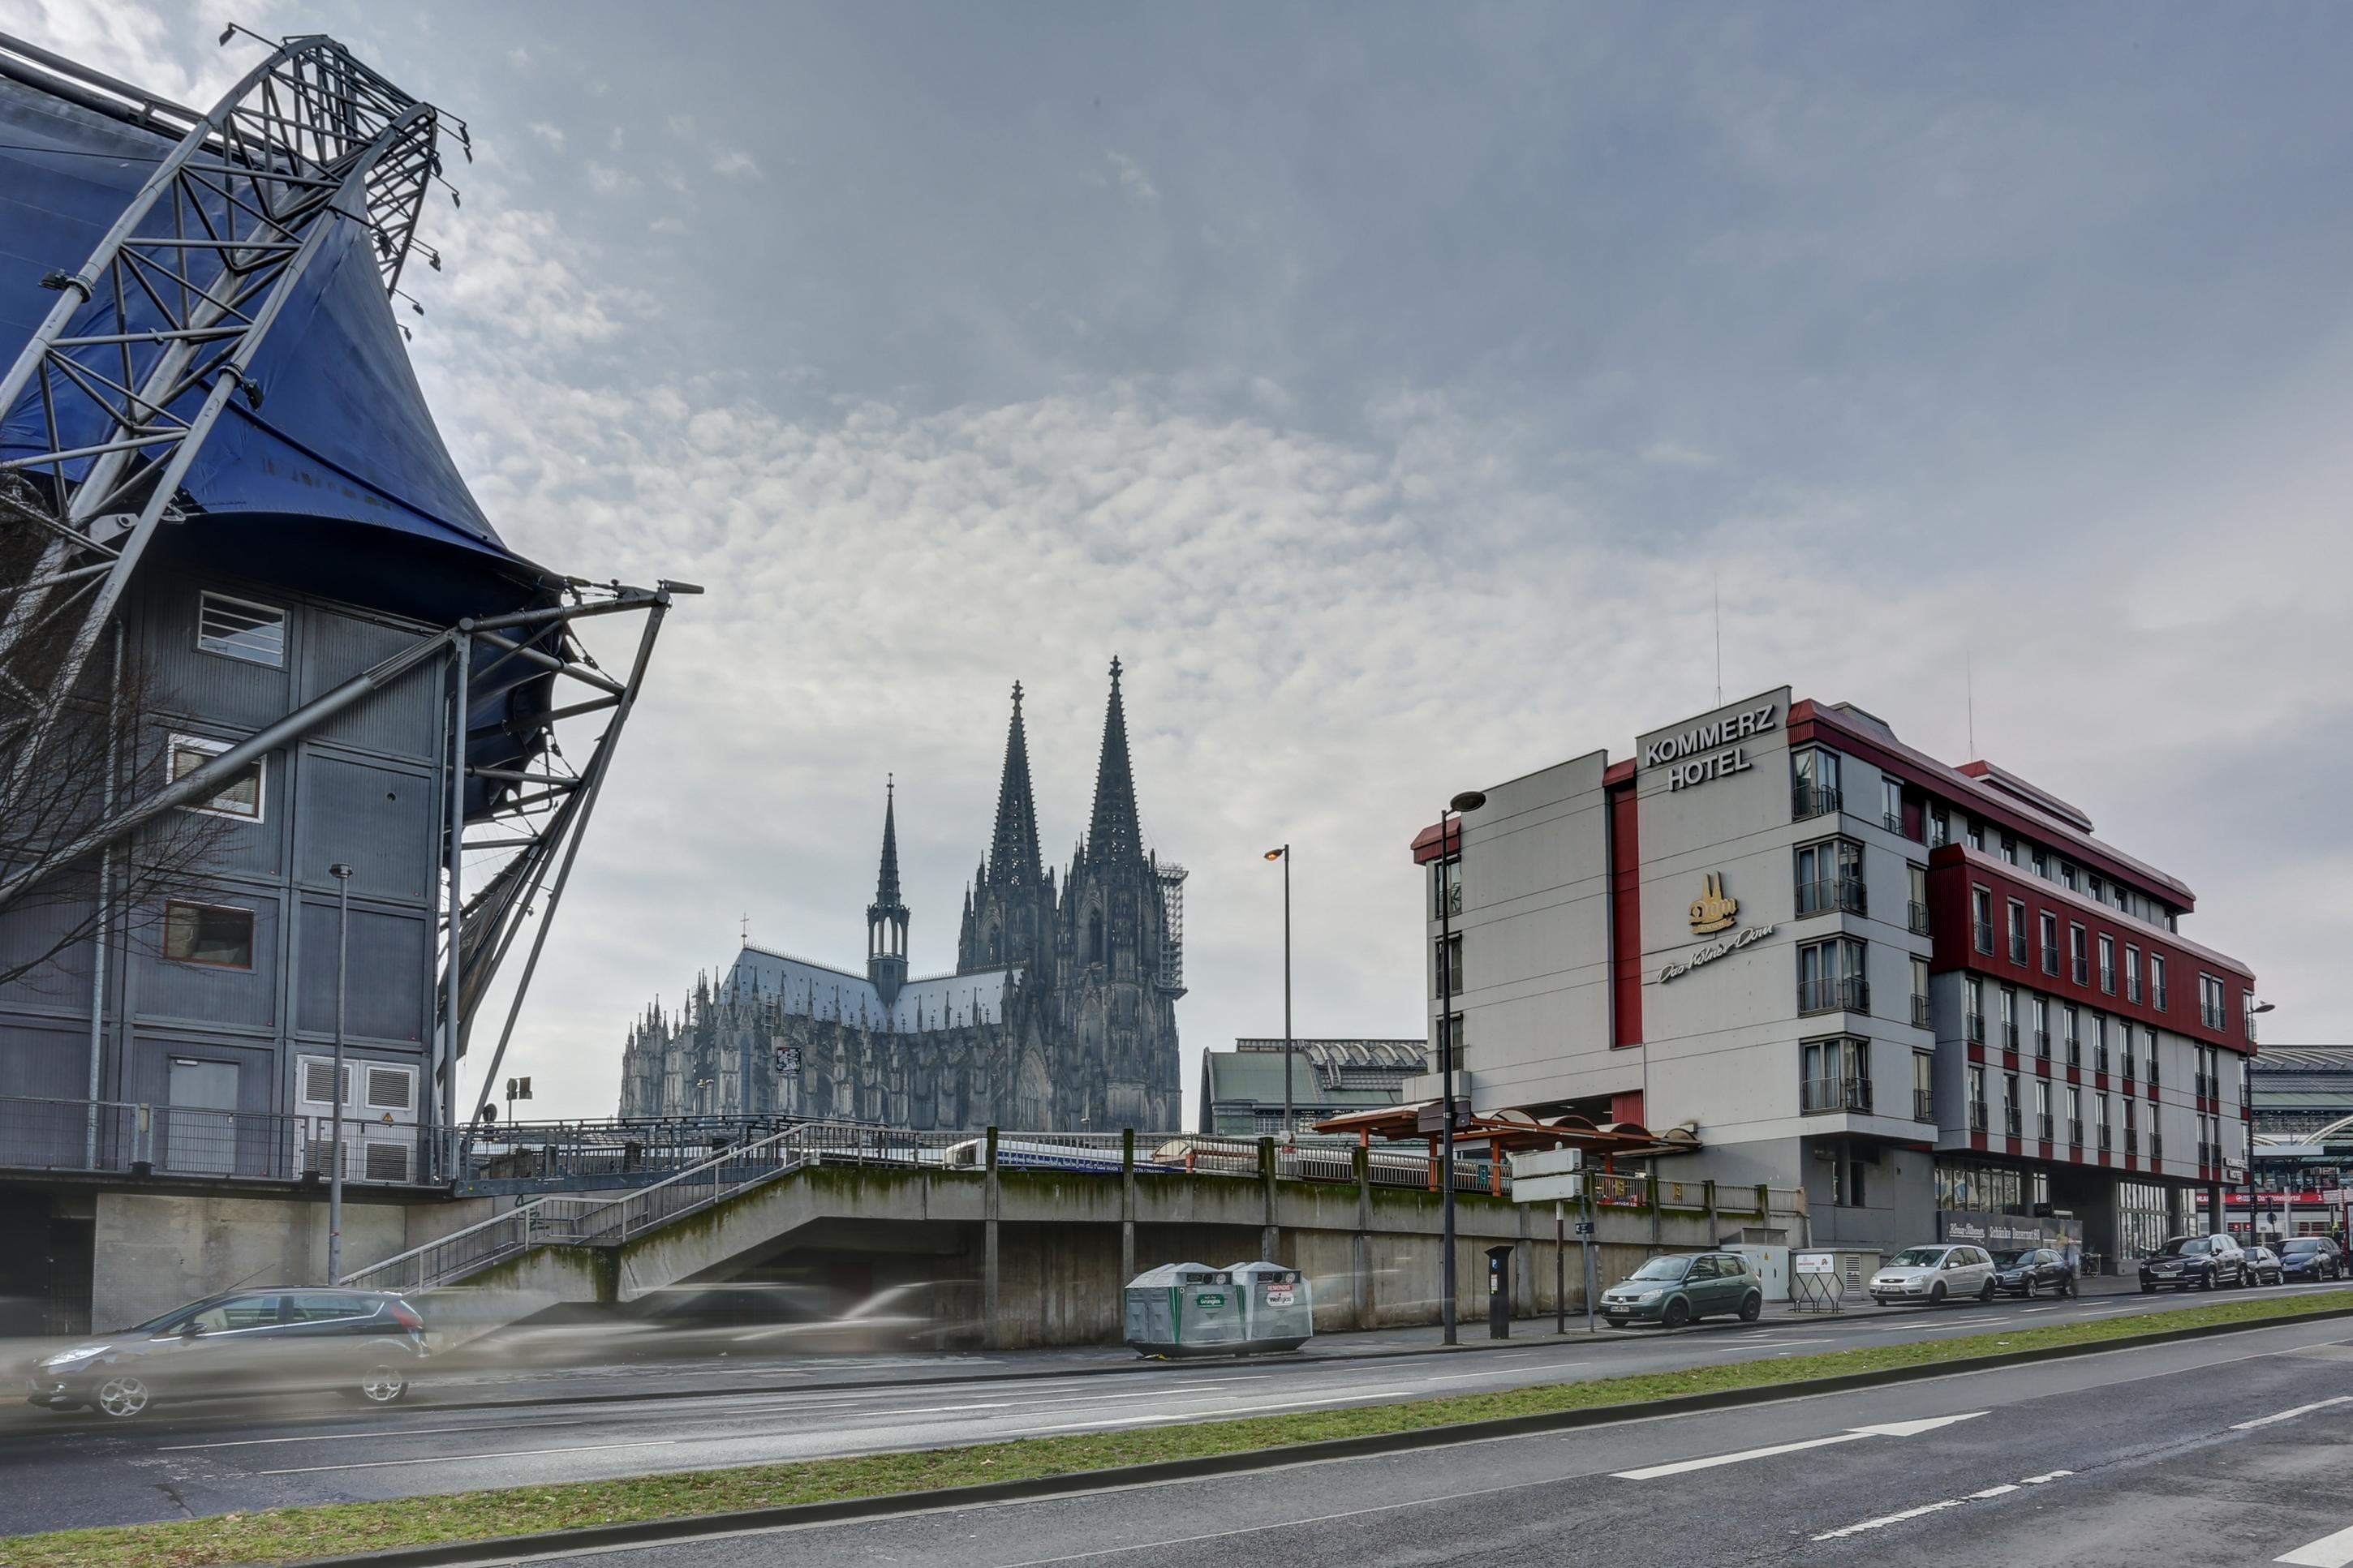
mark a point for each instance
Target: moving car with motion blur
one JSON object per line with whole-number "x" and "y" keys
{"x": 1935, "y": 1275}
{"x": 1678, "y": 1290}
{"x": 365, "y": 1343}
{"x": 2263, "y": 1266}
{"x": 2310, "y": 1258}
{"x": 2034, "y": 1271}
{"x": 2194, "y": 1263}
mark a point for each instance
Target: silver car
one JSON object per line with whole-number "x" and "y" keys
{"x": 1934, "y": 1275}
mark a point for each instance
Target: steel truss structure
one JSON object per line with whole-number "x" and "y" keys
{"x": 151, "y": 337}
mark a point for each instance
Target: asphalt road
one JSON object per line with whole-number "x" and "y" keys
{"x": 2227, "y": 1450}
{"x": 79, "y": 1470}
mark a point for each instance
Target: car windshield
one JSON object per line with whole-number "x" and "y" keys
{"x": 2009, "y": 1260}
{"x": 1917, "y": 1257}
{"x": 1662, "y": 1268}
{"x": 2182, "y": 1246}
{"x": 172, "y": 1319}
{"x": 2307, "y": 1244}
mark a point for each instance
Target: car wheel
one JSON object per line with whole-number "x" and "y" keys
{"x": 2067, "y": 1286}
{"x": 1936, "y": 1294}
{"x": 1986, "y": 1294}
{"x": 2148, "y": 1289}
{"x": 1751, "y": 1308}
{"x": 1678, "y": 1313}
{"x": 1619, "y": 1323}
{"x": 2208, "y": 1282}
{"x": 2027, "y": 1290}
{"x": 122, "y": 1396}
{"x": 382, "y": 1383}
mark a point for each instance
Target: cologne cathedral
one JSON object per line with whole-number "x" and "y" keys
{"x": 1059, "y": 1016}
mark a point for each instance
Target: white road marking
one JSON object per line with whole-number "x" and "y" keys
{"x": 2045, "y": 1480}
{"x": 1887, "y": 1429}
{"x": 1505, "y": 1372}
{"x": 2292, "y": 1414}
{"x": 1884, "y": 1519}
{"x": 2328, "y": 1551}
{"x": 453, "y": 1459}
{"x": 380, "y": 1433}
{"x": 2038, "y": 1308}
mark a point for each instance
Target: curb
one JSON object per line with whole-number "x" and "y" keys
{"x": 694, "y": 1527}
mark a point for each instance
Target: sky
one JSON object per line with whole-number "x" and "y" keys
{"x": 1402, "y": 393}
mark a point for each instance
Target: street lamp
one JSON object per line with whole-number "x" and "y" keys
{"x": 341, "y": 873}
{"x": 1469, "y": 800}
{"x": 1290, "y": 1122}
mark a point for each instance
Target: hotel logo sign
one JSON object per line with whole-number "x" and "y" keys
{"x": 1712, "y": 911}
{"x": 1712, "y": 751}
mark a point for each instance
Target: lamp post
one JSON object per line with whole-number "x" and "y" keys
{"x": 1290, "y": 1117}
{"x": 1469, "y": 800}
{"x": 341, "y": 873}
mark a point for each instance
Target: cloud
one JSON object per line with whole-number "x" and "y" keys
{"x": 736, "y": 163}
{"x": 1131, "y": 177}
{"x": 607, "y": 181}
{"x": 1667, "y": 455}
{"x": 547, "y": 134}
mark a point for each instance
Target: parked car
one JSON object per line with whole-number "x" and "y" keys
{"x": 2262, "y": 1264}
{"x": 1678, "y": 1290}
{"x": 2194, "y": 1262}
{"x": 364, "y": 1342}
{"x": 2312, "y": 1257}
{"x": 1934, "y": 1275}
{"x": 2036, "y": 1269}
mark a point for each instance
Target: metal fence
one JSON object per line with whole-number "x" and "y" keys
{"x": 143, "y": 1141}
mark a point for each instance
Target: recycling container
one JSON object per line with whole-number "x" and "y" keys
{"x": 1277, "y": 1310}
{"x": 1184, "y": 1309}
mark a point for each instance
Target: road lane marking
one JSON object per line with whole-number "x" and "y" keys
{"x": 2328, "y": 1551}
{"x": 380, "y": 1433}
{"x": 2292, "y": 1414}
{"x": 2038, "y": 1308}
{"x": 454, "y": 1458}
{"x": 1884, "y": 1519}
{"x": 1505, "y": 1371}
{"x": 1886, "y": 1429}
{"x": 1237, "y": 1410}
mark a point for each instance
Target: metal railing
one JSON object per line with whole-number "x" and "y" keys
{"x": 2076, "y": 1133}
{"x": 2042, "y": 1043}
{"x": 1813, "y": 800}
{"x": 1850, "y": 994}
{"x": 1982, "y": 932}
{"x": 1819, "y": 1094}
{"x": 1916, "y": 917}
{"x": 1894, "y": 822}
{"x": 1828, "y": 893}
{"x": 1924, "y": 1105}
{"x": 1974, "y": 1024}
{"x": 2043, "y": 1126}
{"x": 2157, "y": 997}
{"x": 2211, "y": 1016}
{"x": 2010, "y": 1121}
{"x": 2017, "y": 947}
{"x": 146, "y": 1140}
{"x": 2050, "y": 958}
{"x": 1920, "y": 1015}
{"x": 1976, "y": 1116}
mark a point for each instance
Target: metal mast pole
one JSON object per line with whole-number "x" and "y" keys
{"x": 1445, "y": 1069}
{"x": 1290, "y": 1117}
{"x": 343, "y": 876}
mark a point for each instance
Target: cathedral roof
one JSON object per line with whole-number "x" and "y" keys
{"x": 1013, "y": 851}
{"x": 810, "y": 989}
{"x": 1112, "y": 833}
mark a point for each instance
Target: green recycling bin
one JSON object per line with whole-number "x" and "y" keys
{"x": 1184, "y": 1309}
{"x": 1277, "y": 1310}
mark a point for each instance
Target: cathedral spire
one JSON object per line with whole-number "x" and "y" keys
{"x": 886, "y": 917}
{"x": 1013, "y": 852}
{"x": 1112, "y": 835}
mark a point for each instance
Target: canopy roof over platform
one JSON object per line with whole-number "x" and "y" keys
{"x": 1514, "y": 1131}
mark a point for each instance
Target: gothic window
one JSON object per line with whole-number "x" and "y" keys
{"x": 995, "y": 943}
{"x": 1095, "y": 937}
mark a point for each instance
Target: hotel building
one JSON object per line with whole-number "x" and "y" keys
{"x": 1925, "y": 994}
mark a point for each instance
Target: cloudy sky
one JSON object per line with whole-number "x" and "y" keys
{"x": 1391, "y": 389}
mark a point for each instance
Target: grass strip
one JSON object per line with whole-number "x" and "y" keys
{"x": 278, "y": 1535}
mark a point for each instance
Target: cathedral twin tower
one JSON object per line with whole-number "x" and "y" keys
{"x": 1059, "y": 1015}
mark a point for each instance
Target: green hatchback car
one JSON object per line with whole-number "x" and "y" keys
{"x": 1676, "y": 1290}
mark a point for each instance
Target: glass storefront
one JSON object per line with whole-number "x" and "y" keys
{"x": 2141, "y": 1222}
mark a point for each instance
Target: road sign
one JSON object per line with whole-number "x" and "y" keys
{"x": 1431, "y": 1118}
{"x": 1546, "y": 1162}
{"x": 1547, "y": 1189}
{"x": 1585, "y": 1227}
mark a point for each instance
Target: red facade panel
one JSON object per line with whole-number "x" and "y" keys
{"x": 1625, "y": 917}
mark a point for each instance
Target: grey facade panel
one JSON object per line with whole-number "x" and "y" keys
{"x": 185, "y": 680}
{"x": 405, "y": 720}
{"x": 378, "y": 819}
{"x": 62, "y": 985}
{"x": 240, "y": 846}
{"x": 390, "y": 951}
{"x": 44, "y": 1062}
{"x": 164, "y": 990}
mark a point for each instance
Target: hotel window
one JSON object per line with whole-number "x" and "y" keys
{"x": 2157, "y": 980}
{"x": 1977, "y": 1098}
{"x": 208, "y": 934}
{"x": 1916, "y": 913}
{"x": 1836, "y": 1074}
{"x": 1830, "y": 876}
{"x": 1975, "y": 835}
{"x": 1981, "y": 918}
{"x": 2100, "y": 1124}
{"x": 1446, "y": 886}
{"x": 2009, "y": 1123}
{"x": 2076, "y": 1115}
{"x": 2124, "y": 899}
{"x": 2050, "y": 943}
{"x": 1450, "y": 1036}
{"x": 1830, "y": 977}
{"x": 2079, "y": 956}
{"x": 1923, "y": 1087}
{"x": 2042, "y": 1027}
{"x": 2132, "y": 1126}
{"x": 2096, "y": 890}
{"x": 2067, "y": 875}
{"x": 2042, "y": 864}
{"x": 1891, "y": 802}
{"x": 239, "y": 628}
{"x": 240, "y": 798}
{"x": 1973, "y": 990}
{"x": 2132, "y": 972}
{"x": 1814, "y": 775}
{"x": 1449, "y": 961}
{"x": 2016, "y": 930}
{"x": 2209, "y": 1001}
{"x": 2107, "y": 963}
{"x": 1846, "y": 1177}
{"x": 2009, "y": 1017}
{"x": 1919, "y": 992}
{"x": 2074, "y": 1025}
{"x": 2042, "y": 1109}
{"x": 2008, "y": 850}
{"x": 1940, "y": 826}
{"x": 2099, "y": 1042}
{"x": 2124, "y": 1054}
{"x": 2152, "y": 1058}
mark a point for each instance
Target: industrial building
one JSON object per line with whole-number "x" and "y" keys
{"x": 1925, "y": 994}
{"x": 1242, "y": 1090}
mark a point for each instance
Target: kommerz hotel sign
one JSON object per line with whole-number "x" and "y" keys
{"x": 1712, "y": 751}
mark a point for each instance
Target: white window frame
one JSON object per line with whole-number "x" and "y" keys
{"x": 285, "y": 623}
{"x": 178, "y": 742}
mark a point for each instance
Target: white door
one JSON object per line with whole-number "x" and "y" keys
{"x": 199, "y": 1127}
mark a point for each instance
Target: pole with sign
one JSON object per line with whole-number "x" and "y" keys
{"x": 1586, "y": 1239}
